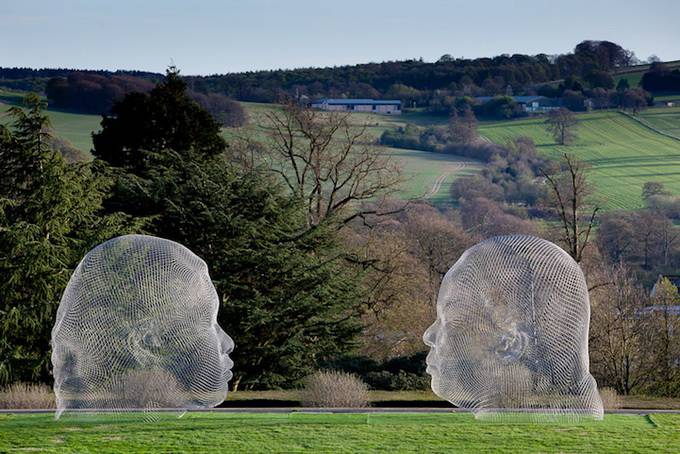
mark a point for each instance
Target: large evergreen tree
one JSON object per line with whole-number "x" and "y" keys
{"x": 164, "y": 119}
{"x": 49, "y": 217}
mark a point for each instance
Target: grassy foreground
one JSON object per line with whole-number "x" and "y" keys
{"x": 300, "y": 432}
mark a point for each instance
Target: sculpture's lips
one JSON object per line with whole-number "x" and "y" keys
{"x": 430, "y": 360}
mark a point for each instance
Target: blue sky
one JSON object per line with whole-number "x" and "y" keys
{"x": 211, "y": 36}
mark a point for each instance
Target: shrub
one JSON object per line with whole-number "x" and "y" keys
{"x": 334, "y": 389}
{"x": 26, "y": 396}
{"x": 403, "y": 373}
{"x": 610, "y": 399}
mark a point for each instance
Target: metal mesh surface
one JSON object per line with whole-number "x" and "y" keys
{"x": 511, "y": 335}
{"x": 137, "y": 329}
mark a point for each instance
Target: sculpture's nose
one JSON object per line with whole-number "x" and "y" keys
{"x": 430, "y": 335}
{"x": 226, "y": 342}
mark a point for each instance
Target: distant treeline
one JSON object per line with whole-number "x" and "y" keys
{"x": 434, "y": 86}
{"x": 91, "y": 92}
{"x": 29, "y": 79}
{"x": 416, "y": 81}
{"x": 96, "y": 93}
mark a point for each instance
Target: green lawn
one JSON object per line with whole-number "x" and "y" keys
{"x": 362, "y": 432}
{"x": 623, "y": 153}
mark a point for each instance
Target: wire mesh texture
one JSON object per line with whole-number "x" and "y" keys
{"x": 137, "y": 330}
{"x": 511, "y": 335}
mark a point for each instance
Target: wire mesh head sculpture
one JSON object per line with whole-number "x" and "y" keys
{"x": 137, "y": 329}
{"x": 511, "y": 335}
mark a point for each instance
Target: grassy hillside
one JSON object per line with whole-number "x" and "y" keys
{"x": 623, "y": 153}
{"x": 73, "y": 127}
{"x": 666, "y": 120}
{"x": 360, "y": 432}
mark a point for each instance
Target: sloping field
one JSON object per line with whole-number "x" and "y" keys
{"x": 623, "y": 153}
{"x": 430, "y": 175}
{"x": 666, "y": 119}
{"x": 359, "y": 432}
{"x": 634, "y": 73}
{"x": 76, "y": 128}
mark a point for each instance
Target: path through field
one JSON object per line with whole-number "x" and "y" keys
{"x": 454, "y": 168}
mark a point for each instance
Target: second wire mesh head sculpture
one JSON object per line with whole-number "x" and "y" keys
{"x": 511, "y": 334}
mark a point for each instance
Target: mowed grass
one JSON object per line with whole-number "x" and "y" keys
{"x": 623, "y": 154}
{"x": 308, "y": 432}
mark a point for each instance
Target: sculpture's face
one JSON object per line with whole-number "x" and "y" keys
{"x": 137, "y": 328}
{"x": 511, "y": 328}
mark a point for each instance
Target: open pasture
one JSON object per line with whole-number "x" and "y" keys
{"x": 623, "y": 154}
{"x": 334, "y": 432}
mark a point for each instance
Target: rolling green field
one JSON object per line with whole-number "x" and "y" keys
{"x": 76, "y": 128}
{"x": 426, "y": 174}
{"x": 623, "y": 154}
{"x": 666, "y": 120}
{"x": 308, "y": 432}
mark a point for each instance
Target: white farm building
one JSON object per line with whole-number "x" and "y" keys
{"x": 381, "y": 106}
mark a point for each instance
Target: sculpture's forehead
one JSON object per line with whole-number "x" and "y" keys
{"x": 510, "y": 270}
{"x": 140, "y": 251}
{"x": 143, "y": 274}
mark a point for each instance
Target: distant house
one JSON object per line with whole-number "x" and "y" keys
{"x": 530, "y": 104}
{"x": 381, "y": 106}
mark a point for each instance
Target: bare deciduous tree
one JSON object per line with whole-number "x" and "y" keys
{"x": 573, "y": 202}
{"x": 463, "y": 128}
{"x": 619, "y": 335}
{"x": 561, "y": 123}
{"x": 665, "y": 338}
{"x": 329, "y": 163}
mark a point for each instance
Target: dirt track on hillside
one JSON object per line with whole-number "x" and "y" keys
{"x": 455, "y": 168}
